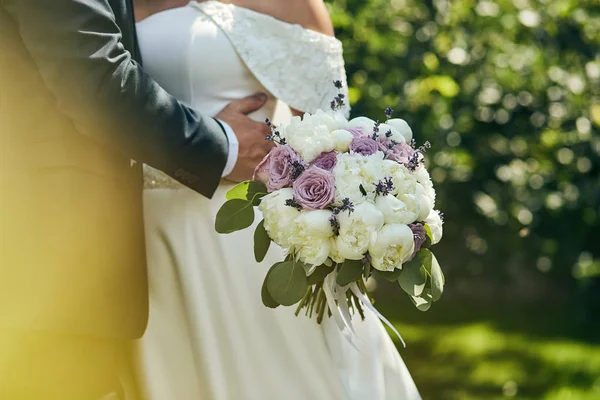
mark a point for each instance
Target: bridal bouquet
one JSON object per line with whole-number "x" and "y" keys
{"x": 345, "y": 199}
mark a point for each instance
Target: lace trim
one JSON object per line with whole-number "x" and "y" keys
{"x": 297, "y": 65}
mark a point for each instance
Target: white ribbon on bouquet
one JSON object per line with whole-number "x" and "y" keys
{"x": 338, "y": 305}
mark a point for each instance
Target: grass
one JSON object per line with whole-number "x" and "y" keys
{"x": 466, "y": 351}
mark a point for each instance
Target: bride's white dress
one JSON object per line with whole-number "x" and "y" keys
{"x": 209, "y": 336}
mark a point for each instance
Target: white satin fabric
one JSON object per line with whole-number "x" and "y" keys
{"x": 209, "y": 336}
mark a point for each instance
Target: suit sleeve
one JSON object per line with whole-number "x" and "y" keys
{"x": 76, "y": 45}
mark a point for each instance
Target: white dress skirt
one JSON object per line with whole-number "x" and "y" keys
{"x": 209, "y": 336}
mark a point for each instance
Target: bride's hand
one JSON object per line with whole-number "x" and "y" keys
{"x": 250, "y": 134}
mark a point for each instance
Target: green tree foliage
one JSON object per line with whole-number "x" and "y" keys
{"x": 508, "y": 93}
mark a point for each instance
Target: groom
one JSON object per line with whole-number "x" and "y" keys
{"x": 75, "y": 107}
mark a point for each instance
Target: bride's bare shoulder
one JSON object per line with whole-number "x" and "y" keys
{"x": 311, "y": 14}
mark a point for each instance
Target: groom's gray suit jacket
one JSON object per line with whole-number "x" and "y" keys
{"x": 75, "y": 107}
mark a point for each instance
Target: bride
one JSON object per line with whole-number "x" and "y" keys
{"x": 209, "y": 336}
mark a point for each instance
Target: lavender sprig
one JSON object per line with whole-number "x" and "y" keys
{"x": 292, "y": 203}
{"x": 415, "y": 160}
{"x": 347, "y": 205}
{"x": 376, "y": 130}
{"x": 384, "y": 187}
{"x": 274, "y": 136}
{"x": 298, "y": 168}
{"x": 388, "y": 112}
{"x": 338, "y": 101}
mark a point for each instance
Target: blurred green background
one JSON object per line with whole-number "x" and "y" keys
{"x": 508, "y": 93}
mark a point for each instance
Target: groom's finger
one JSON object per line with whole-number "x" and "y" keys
{"x": 250, "y": 104}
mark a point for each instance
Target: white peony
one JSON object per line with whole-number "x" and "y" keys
{"x": 314, "y": 252}
{"x": 435, "y": 224}
{"x": 362, "y": 122}
{"x": 314, "y": 224}
{"x": 309, "y": 137}
{"x": 358, "y": 230}
{"x": 347, "y": 175}
{"x": 395, "y": 134}
{"x": 425, "y": 203}
{"x": 279, "y": 218}
{"x": 333, "y": 120}
{"x": 341, "y": 140}
{"x": 334, "y": 254}
{"x": 424, "y": 179}
{"x": 312, "y": 243}
{"x": 405, "y": 182}
{"x": 401, "y": 127}
{"x": 398, "y": 210}
{"x": 339, "y": 120}
{"x": 394, "y": 246}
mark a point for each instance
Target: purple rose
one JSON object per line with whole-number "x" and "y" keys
{"x": 358, "y": 132}
{"x": 364, "y": 146}
{"x": 326, "y": 161}
{"x": 420, "y": 235}
{"x": 275, "y": 170}
{"x": 314, "y": 189}
{"x": 399, "y": 152}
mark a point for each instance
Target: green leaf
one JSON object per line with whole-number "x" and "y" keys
{"x": 391, "y": 276}
{"x": 246, "y": 190}
{"x": 428, "y": 237}
{"x": 264, "y": 292}
{"x": 287, "y": 282}
{"x": 423, "y": 302}
{"x": 262, "y": 241}
{"x": 435, "y": 272}
{"x": 319, "y": 274}
{"x": 234, "y": 215}
{"x": 413, "y": 278}
{"x": 350, "y": 271}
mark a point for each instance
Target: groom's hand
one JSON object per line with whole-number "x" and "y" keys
{"x": 250, "y": 134}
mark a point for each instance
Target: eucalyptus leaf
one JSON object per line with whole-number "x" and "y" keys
{"x": 423, "y": 302}
{"x": 234, "y": 215}
{"x": 412, "y": 278}
{"x": 391, "y": 276}
{"x": 264, "y": 292}
{"x": 262, "y": 241}
{"x": 428, "y": 237}
{"x": 287, "y": 283}
{"x": 319, "y": 274}
{"x": 246, "y": 190}
{"x": 350, "y": 271}
{"x": 435, "y": 272}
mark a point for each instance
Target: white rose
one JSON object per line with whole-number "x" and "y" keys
{"x": 424, "y": 179}
{"x": 309, "y": 137}
{"x": 362, "y": 122}
{"x": 341, "y": 140}
{"x": 425, "y": 204}
{"x": 435, "y": 223}
{"x": 358, "y": 230}
{"x": 394, "y": 246}
{"x": 402, "y": 210}
{"x": 401, "y": 127}
{"x": 279, "y": 218}
{"x": 394, "y": 133}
